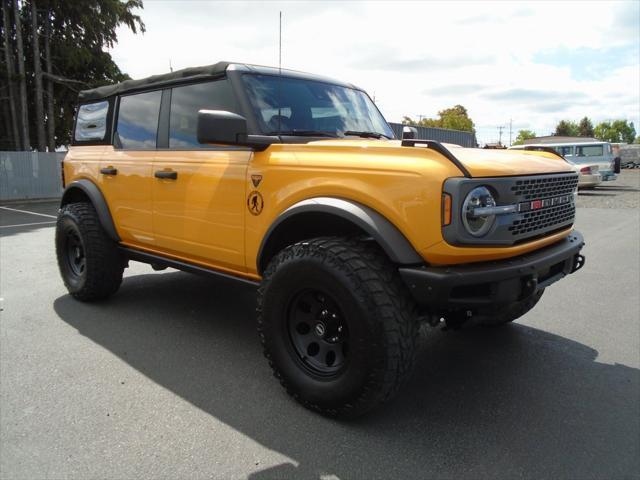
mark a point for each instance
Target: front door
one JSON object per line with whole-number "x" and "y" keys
{"x": 198, "y": 206}
{"x": 199, "y": 191}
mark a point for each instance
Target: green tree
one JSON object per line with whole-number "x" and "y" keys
{"x": 616, "y": 132}
{"x": 454, "y": 118}
{"x": 68, "y": 38}
{"x": 585, "y": 128}
{"x": 637, "y": 139}
{"x": 524, "y": 135}
{"x": 567, "y": 128}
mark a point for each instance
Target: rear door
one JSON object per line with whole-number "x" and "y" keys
{"x": 199, "y": 190}
{"x": 127, "y": 169}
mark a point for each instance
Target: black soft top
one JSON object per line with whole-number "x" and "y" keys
{"x": 189, "y": 74}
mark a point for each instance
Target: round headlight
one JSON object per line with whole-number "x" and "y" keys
{"x": 476, "y": 223}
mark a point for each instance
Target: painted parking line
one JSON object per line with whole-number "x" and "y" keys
{"x": 27, "y": 211}
{"x": 26, "y": 224}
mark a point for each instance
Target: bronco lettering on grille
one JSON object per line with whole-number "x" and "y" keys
{"x": 544, "y": 203}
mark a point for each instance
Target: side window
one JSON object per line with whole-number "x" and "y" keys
{"x": 565, "y": 151}
{"x": 185, "y": 103}
{"x": 91, "y": 122}
{"x": 590, "y": 151}
{"x": 138, "y": 120}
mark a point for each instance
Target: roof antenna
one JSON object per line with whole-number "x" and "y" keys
{"x": 279, "y": 72}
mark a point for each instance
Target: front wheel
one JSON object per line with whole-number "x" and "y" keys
{"x": 337, "y": 325}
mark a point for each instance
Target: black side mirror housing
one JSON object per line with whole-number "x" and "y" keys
{"x": 409, "y": 133}
{"x": 219, "y": 126}
{"x": 228, "y": 128}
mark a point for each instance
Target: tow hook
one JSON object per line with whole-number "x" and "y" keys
{"x": 529, "y": 287}
{"x": 578, "y": 263}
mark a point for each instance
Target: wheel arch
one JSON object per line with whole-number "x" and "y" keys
{"x": 84, "y": 190}
{"x": 323, "y": 216}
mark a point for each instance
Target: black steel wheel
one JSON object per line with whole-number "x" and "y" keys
{"x": 89, "y": 261}
{"x": 74, "y": 257}
{"x": 318, "y": 332}
{"x": 337, "y": 325}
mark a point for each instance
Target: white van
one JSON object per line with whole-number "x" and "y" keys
{"x": 584, "y": 154}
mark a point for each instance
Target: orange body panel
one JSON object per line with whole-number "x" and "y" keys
{"x": 204, "y": 217}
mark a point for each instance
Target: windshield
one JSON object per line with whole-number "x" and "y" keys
{"x": 311, "y": 107}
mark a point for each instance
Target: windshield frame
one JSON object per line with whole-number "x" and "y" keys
{"x": 257, "y": 123}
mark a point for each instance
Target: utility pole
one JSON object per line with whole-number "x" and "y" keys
{"x": 510, "y": 129}
{"x": 500, "y": 128}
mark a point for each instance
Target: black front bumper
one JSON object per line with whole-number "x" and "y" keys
{"x": 493, "y": 285}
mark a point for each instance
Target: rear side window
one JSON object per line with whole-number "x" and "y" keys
{"x": 138, "y": 120}
{"x": 590, "y": 151}
{"x": 185, "y": 103}
{"x": 564, "y": 151}
{"x": 91, "y": 122}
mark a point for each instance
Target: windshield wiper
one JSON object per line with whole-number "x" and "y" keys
{"x": 304, "y": 133}
{"x": 366, "y": 134}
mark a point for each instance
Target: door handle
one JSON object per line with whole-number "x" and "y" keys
{"x": 109, "y": 171}
{"x": 166, "y": 174}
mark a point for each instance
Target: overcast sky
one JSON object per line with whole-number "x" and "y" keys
{"x": 535, "y": 63}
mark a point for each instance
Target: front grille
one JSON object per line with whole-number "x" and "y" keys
{"x": 533, "y": 222}
{"x": 545, "y": 187}
{"x": 536, "y": 222}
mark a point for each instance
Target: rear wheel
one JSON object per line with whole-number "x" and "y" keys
{"x": 89, "y": 261}
{"x": 337, "y": 325}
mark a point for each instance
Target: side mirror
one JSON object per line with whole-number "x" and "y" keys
{"x": 219, "y": 126}
{"x": 409, "y": 133}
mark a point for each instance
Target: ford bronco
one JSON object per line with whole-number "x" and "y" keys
{"x": 295, "y": 183}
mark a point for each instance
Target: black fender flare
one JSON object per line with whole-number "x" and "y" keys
{"x": 96, "y": 197}
{"x": 391, "y": 240}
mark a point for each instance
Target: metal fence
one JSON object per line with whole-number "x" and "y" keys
{"x": 465, "y": 139}
{"x": 30, "y": 175}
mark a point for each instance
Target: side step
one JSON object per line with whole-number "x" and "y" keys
{"x": 159, "y": 263}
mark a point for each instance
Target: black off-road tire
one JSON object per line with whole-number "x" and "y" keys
{"x": 513, "y": 312}
{"x": 379, "y": 316}
{"x": 98, "y": 274}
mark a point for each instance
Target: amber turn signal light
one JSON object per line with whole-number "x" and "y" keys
{"x": 446, "y": 209}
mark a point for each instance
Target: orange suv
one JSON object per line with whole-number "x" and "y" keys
{"x": 295, "y": 183}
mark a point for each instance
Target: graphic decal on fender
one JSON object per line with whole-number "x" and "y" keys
{"x": 256, "y": 179}
{"x": 255, "y": 203}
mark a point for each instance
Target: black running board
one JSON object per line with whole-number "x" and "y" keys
{"x": 145, "y": 257}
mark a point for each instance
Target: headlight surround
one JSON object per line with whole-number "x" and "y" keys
{"x": 478, "y": 225}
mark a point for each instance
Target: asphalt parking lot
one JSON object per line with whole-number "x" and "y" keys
{"x": 167, "y": 379}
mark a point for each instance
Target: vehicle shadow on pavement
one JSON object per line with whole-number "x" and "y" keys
{"x": 501, "y": 402}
